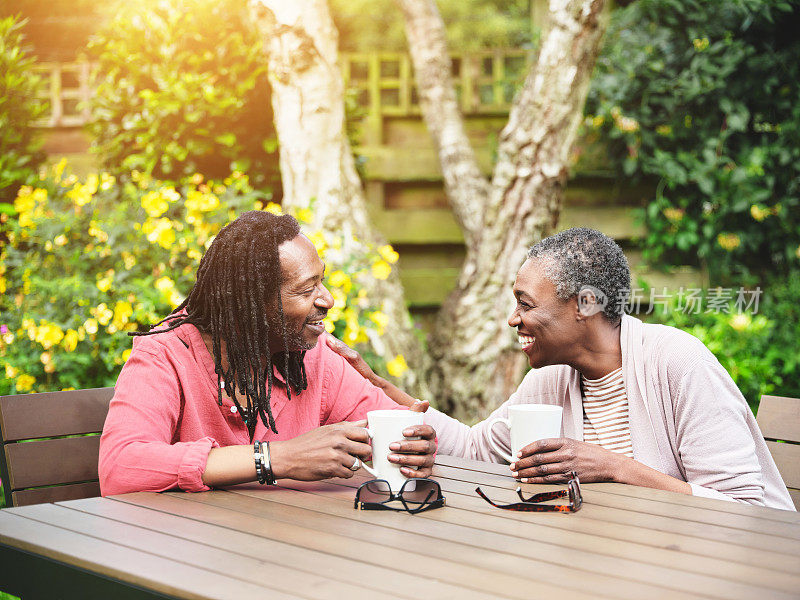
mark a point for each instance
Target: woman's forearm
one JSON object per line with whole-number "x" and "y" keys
{"x": 635, "y": 473}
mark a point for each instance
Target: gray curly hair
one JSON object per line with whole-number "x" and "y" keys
{"x": 578, "y": 258}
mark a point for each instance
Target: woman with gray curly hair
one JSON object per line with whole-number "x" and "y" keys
{"x": 643, "y": 404}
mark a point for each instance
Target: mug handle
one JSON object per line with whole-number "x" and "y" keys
{"x": 364, "y": 466}
{"x": 494, "y": 445}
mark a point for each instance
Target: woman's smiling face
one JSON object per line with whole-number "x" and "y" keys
{"x": 547, "y": 326}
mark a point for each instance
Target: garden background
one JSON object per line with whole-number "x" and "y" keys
{"x": 688, "y": 154}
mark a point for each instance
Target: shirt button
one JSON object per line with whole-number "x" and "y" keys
{"x": 233, "y": 409}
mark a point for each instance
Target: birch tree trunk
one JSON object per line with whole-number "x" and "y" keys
{"x": 316, "y": 160}
{"x": 476, "y": 363}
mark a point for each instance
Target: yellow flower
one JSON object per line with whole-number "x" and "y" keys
{"x": 126, "y": 355}
{"x": 60, "y": 240}
{"x": 275, "y": 209}
{"x": 48, "y": 335}
{"x": 11, "y": 372}
{"x": 380, "y": 319}
{"x": 728, "y": 241}
{"x": 397, "y": 366}
{"x": 199, "y": 202}
{"x": 154, "y": 204}
{"x": 758, "y": 213}
{"x": 45, "y": 357}
{"x": 165, "y": 284}
{"x": 102, "y": 313}
{"x": 70, "y": 340}
{"x": 304, "y": 215}
{"x": 196, "y": 179}
{"x": 381, "y": 269}
{"x": 159, "y": 231}
{"x": 2, "y": 285}
{"x": 740, "y": 322}
{"x": 700, "y": 44}
{"x": 318, "y": 239}
{"x": 342, "y": 280}
{"x": 107, "y": 181}
{"x": 25, "y": 382}
{"x": 122, "y": 312}
{"x": 388, "y": 254}
{"x": 128, "y": 259}
{"x": 674, "y": 214}
{"x": 175, "y": 299}
{"x": 104, "y": 284}
{"x": 58, "y": 169}
{"x": 90, "y": 326}
{"x": 81, "y": 194}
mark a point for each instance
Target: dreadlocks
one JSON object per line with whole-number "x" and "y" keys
{"x": 238, "y": 277}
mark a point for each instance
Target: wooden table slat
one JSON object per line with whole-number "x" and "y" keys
{"x": 397, "y": 551}
{"x": 722, "y": 560}
{"x": 114, "y": 560}
{"x": 492, "y": 549}
{"x": 258, "y": 569}
{"x": 235, "y": 532}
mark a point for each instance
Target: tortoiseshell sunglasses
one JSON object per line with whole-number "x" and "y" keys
{"x": 530, "y": 504}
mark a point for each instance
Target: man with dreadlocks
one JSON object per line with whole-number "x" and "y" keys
{"x": 238, "y": 363}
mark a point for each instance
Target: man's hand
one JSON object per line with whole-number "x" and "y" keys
{"x": 321, "y": 453}
{"x": 552, "y": 460}
{"x": 415, "y": 453}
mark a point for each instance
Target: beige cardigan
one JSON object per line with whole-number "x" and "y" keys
{"x": 687, "y": 417}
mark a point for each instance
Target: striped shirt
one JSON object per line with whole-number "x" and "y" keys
{"x": 605, "y": 413}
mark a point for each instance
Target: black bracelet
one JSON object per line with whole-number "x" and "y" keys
{"x": 267, "y": 466}
{"x": 263, "y": 465}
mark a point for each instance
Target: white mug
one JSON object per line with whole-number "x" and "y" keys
{"x": 528, "y": 423}
{"x": 386, "y": 427}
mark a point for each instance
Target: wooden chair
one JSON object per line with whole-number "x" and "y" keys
{"x": 779, "y": 419}
{"x": 38, "y": 463}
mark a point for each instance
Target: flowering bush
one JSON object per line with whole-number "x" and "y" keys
{"x": 754, "y": 346}
{"x": 91, "y": 259}
{"x": 701, "y": 97}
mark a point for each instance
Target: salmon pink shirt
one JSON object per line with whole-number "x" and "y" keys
{"x": 164, "y": 418}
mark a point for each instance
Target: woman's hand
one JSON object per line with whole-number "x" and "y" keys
{"x": 360, "y": 365}
{"x": 322, "y": 453}
{"x": 552, "y": 461}
{"x": 415, "y": 453}
{"x": 355, "y": 360}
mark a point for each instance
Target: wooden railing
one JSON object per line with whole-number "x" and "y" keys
{"x": 485, "y": 81}
{"x": 67, "y": 91}
{"x": 383, "y": 83}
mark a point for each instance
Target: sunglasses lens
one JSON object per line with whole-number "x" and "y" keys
{"x": 375, "y": 491}
{"x": 420, "y": 490}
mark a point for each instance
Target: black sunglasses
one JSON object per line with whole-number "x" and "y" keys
{"x": 416, "y": 495}
{"x": 530, "y": 504}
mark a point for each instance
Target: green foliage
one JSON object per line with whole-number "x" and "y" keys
{"x": 369, "y": 25}
{"x": 702, "y": 97}
{"x": 756, "y": 348}
{"x": 182, "y": 88}
{"x": 20, "y": 153}
{"x": 89, "y": 260}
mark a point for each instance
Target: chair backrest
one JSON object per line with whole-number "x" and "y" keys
{"x": 779, "y": 420}
{"x": 38, "y": 463}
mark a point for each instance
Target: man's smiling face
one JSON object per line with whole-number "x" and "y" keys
{"x": 304, "y": 297}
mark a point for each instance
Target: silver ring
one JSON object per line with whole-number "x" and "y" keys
{"x": 356, "y": 465}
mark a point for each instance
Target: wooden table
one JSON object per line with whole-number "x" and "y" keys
{"x": 304, "y": 540}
